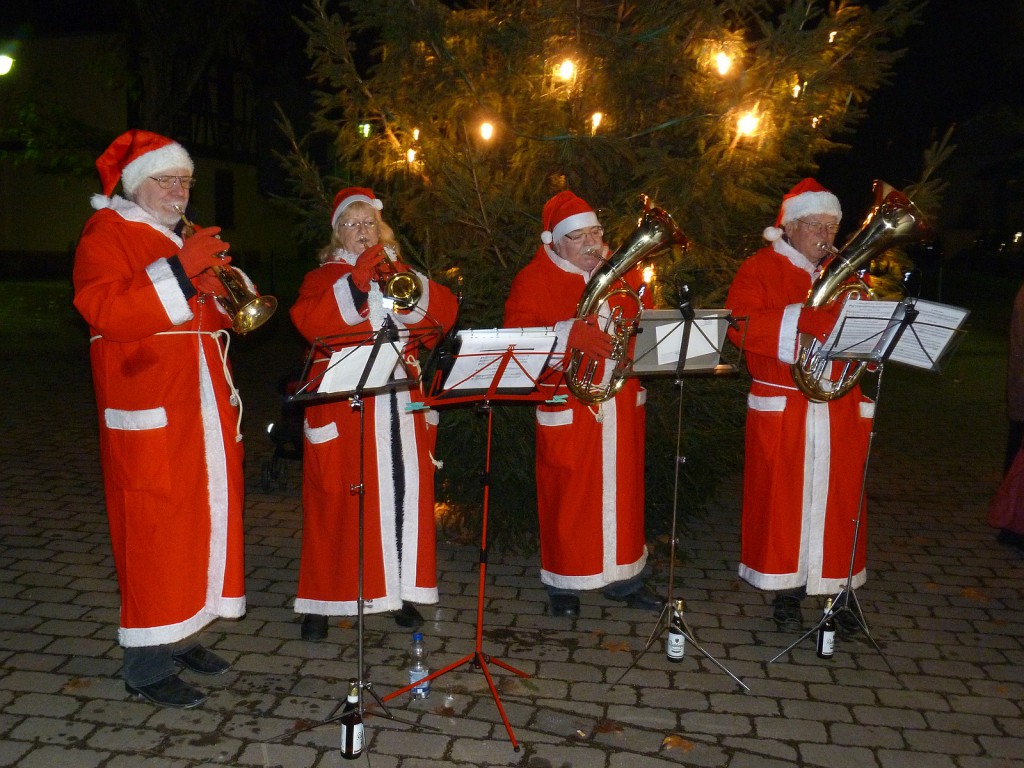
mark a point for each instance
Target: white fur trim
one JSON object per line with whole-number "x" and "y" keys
{"x": 572, "y": 223}
{"x": 789, "y": 335}
{"x": 168, "y": 290}
{"x": 867, "y": 409}
{"x": 317, "y": 435}
{"x": 373, "y": 202}
{"x": 167, "y": 157}
{"x": 767, "y": 403}
{"x": 810, "y": 204}
{"x": 560, "y": 418}
{"x": 148, "y": 418}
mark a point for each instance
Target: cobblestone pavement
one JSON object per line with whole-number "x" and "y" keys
{"x": 943, "y": 601}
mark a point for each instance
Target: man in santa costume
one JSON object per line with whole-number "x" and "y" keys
{"x": 343, "y": 298}
{"x": 590, "y": 458}
{"x": 804, "y": 460}
{"x": 168, "y": 413}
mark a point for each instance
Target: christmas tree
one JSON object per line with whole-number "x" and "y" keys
{"x": 465, "y": 117}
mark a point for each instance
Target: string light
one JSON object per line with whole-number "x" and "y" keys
{"x": 566, "y": 70}
{"x": 723, "y": 62}
{"x": 747, "y": 124}
{"x": 832, "y": 36}
{"x": 6, "y": 63}
{"x": 415, "y": 134}
{"x": 595, "y": 122}
{"x": 364, "y": 130}
{"x": 486, "y": 131}
{"x": 410, "y": 156}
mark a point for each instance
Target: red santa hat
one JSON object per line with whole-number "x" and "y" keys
{"x": 134, "y": 155}
{"x": 807, "y": 198}
{"x": 350, "y": 195}
{"x": 564, "y": 213}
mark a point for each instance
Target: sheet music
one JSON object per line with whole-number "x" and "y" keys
{"x": 926, "y": 341}
{"x": 864, "y": 330}
{"x": 670, "y": 339}
{"x": 481, "y": 351}
{"x": 347, "y": 365}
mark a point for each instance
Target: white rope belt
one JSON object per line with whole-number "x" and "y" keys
{"x": 777, "y": 386}
{"x": 222, "y": 350}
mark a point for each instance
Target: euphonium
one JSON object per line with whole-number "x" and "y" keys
{"x": 403, "y": 288}
{"x": 654, "y": 233}
{"x": 247, "y": 308}
{"x": 893, "y": 221}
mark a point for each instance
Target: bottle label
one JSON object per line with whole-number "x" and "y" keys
{"x": 826, "y": 643}
{"x": 675, "y": 647}
{"x": 352, "y": 740}
{"x": 422, "y": 690}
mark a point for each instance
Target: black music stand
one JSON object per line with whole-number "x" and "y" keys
{"x": 502, "y": 373}
{"x": 876, "y": 332}
{"x": 672, "y": 330}
{"x": 360, "y": 364}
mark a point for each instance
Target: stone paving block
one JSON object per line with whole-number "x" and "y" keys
{"x": 833, "y": 755}
{"x": 49, "y": 756}
{"x": 790, "y": 729}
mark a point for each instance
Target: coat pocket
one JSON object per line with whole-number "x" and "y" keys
{"x": 138, "y": 451}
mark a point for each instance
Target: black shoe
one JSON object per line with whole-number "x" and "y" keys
{"x": 203, "y": 661}
{"x": 564, "y": 605}
{"x": 314, "y": 627}
{"x": 1011, "y": 539}
{"x": 408, "y": 617}
{"x": 170, "y": 692}
{"x": 787, "y": 614}
{"x": 643, "y": 599}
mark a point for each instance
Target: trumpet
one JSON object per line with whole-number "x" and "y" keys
{"x": 403, "y": 288}
{"x": 248, "y": 310}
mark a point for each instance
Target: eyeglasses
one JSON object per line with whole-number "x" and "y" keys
{"x": 820, "y": 228}
{"x": 359, "y": 224}
{"x": 595, "y": 232}
{"x": 166, "y": 182}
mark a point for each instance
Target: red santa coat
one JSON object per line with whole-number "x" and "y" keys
{"x": 804, "y": 460}
{"x": 590, "y": 459}
{"x": 172, "y": 466}
{"x": 399, "y": 546}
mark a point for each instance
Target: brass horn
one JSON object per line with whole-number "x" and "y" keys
{"x": 655, "y": 232}
{"x": 248, "y": 309}
{"x": 403, "y": 288}
{"x": 892, "y": 221}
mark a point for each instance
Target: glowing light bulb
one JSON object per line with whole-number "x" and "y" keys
{"x": 747, "y": 124}
{"x": 364, "y": 130}
{"x": 832, "y": 36}
{"x": 723, "y": 62}
{"x": 410, "y": 156}
{"x": 486, "y": 131}
{"x": 6, "y": 63}
{"x": 566, "y": 70}
{"x": 415, "y": 134}
{"x": 595, "y": 122}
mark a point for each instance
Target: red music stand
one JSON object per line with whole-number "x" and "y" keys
{"x": 499, "y": 362}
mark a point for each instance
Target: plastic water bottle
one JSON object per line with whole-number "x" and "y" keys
{"x": 352, "y": 724}
{"x": 675, "y": 646}
{"x": 827, "y": 634}
{"x": 418, "y": 668}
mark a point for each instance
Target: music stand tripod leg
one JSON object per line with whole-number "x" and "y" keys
{"x": 478, "y": 657}
{"x": 847, "y": 591}
{"x": 665, "y": 617}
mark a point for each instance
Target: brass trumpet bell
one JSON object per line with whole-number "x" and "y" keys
{"x": 247, "y": 308}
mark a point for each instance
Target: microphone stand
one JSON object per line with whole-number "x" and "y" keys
{"x": 665, "y": 618}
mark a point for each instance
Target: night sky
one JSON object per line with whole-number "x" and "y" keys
{"x": 964, "y": 61}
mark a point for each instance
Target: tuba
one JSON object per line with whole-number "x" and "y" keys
{"x": 654, "y": 233}
{"x": 248, "y": 310}
{"x": 893, "y": 221}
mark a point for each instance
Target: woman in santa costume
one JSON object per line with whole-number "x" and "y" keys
{"x": 343, "y": 298}
{"x": 169, "y": 414}
{"x": 804, "y": 460}
{"x": 590, "y": 458}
